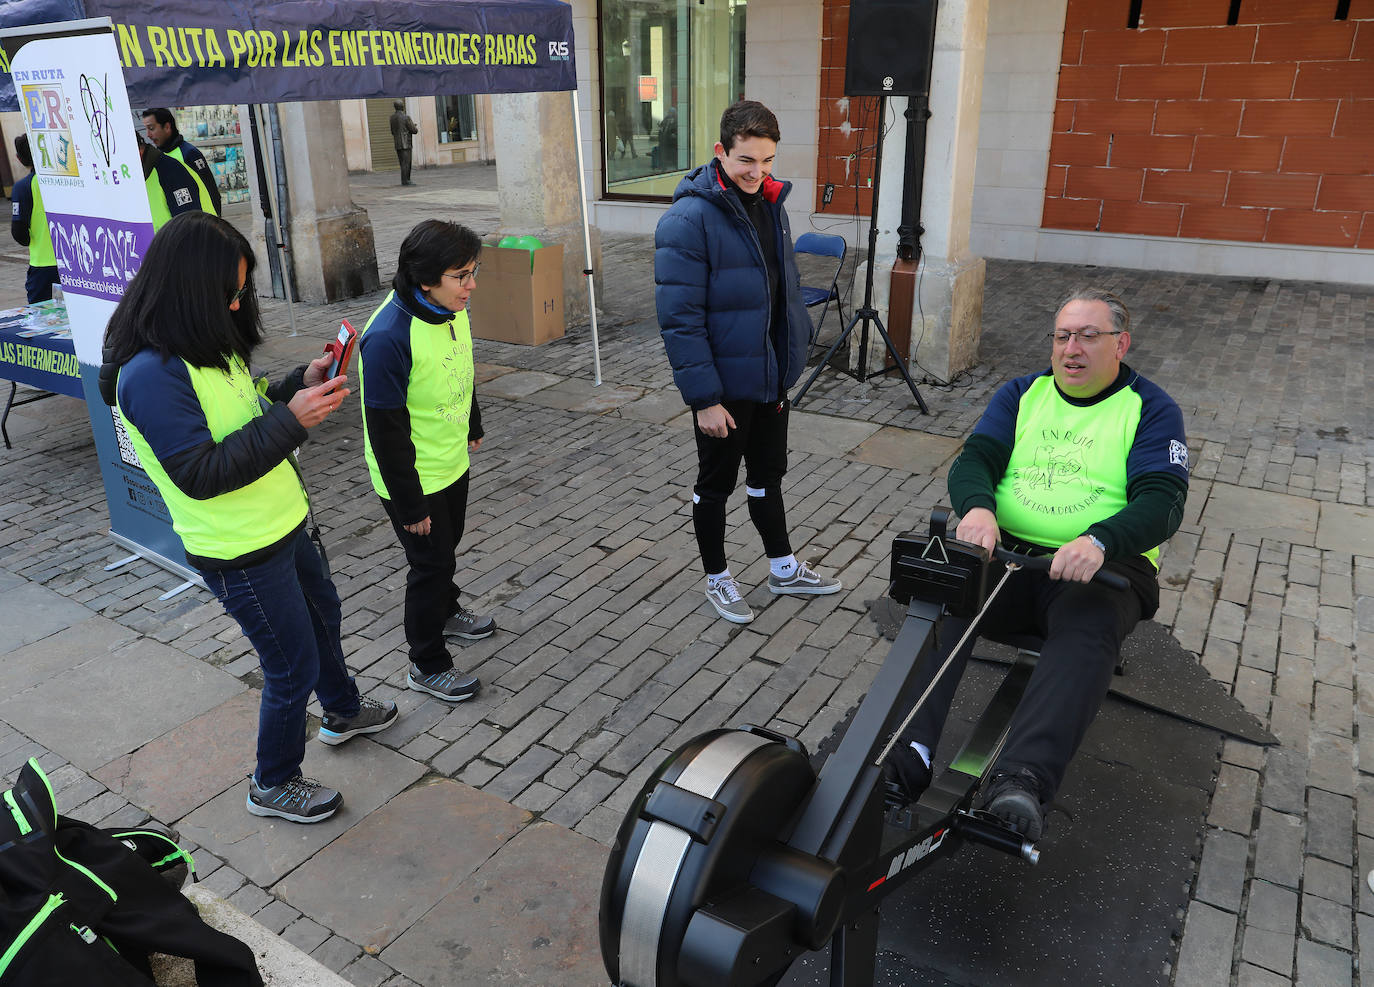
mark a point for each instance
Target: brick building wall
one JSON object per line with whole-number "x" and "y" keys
{"x": 847, "y": 125}
{"x": 1187, "y": 126}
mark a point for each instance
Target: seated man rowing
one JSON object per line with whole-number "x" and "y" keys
{"x": 1086, "y": 461}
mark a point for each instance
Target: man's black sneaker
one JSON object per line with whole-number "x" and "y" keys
{"x": 468, "y": 625}
{"x": 905, "y": 776}
{"x": 300, "y": 799}
{"x": 371, "y": 717}
{"x": 449, "y": 685}
{"x": 1014, "y": 797}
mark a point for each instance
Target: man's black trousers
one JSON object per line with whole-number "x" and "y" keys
{"x": 760, "y": 439}
{"x": 431, "y": 593}
{"x": 1083, "y": 626}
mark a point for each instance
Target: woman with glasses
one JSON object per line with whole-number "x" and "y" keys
{"x": 420, "y": 421}
{"x": 219, "y": 444}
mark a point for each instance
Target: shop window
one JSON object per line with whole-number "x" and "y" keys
{"x": 456, "y": 117}
{"x": 669, "y": 67}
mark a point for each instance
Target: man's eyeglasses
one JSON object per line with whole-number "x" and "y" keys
{"x": 1086, "y": 335}
{"x": 238, "y": 294}
{"x": 465, "y": 279}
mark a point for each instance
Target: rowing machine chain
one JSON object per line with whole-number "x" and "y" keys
{"x": 973, "y": 626}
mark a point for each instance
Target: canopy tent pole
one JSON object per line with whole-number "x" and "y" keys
{"x": 586, "y": 241}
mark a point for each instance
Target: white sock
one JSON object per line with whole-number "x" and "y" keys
{"x": 713, "y": 578}
{"x": 783, "y": 567}
{"x": 923, "y": 750}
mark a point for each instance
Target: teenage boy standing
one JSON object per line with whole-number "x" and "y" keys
{"x": 736, "y": 332}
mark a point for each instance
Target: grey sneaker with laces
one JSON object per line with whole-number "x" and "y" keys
{"x": 299, "y": 799}
{"x": 468, "y": 625}
{"x": 449, "y": 685}
{"x": 725, "y": 596}
{"x": 372, "y": 717}
{"x": 804, "y": 582}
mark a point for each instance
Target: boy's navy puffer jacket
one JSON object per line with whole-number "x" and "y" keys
{"x": 712, "y": 295}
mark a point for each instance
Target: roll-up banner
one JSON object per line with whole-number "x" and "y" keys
{"x": 71, "y": 92}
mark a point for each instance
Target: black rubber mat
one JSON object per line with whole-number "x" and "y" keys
{"x": 1104, "y": 904}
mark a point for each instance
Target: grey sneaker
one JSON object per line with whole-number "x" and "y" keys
{"x": 725, "y": 596}
{"x": 301, "y": 799}
{"x": 804, "y": 582}
{"x": 449, "y": 685}
{"x": 466, "y": 624}
{"x": 371, "y": 717}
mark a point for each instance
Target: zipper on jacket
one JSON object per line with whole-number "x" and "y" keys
{"x": 740, "y": 214}
{"x": 177, "y": 851}
{"x": 452, "y": 337}
{"x": 20, "y": 819}
{"x": 54, "y": 902}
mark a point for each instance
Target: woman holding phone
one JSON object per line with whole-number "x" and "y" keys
{"x": 219, "y": 446}
{"x": 420, "y": 421}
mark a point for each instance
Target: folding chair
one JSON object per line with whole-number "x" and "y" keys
{"x": 822, "y": 245}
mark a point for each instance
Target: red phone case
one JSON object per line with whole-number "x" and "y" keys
{"x": 341, "y": 352}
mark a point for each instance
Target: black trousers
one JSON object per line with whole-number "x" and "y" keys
{"x": 1082, "y": 624}
{"x": 760, "y": 439}
{"x": 431, "y": 593}
{"x": 403, "y": 156}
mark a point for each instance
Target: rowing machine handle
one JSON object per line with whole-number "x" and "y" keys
{"x": 1112, "y": 580}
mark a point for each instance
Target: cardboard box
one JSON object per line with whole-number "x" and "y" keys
{"x": 517, "y": 301}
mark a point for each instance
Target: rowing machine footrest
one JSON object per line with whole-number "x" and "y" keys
{"x": 694, "y": 814}
{"x": 738, "y": 941}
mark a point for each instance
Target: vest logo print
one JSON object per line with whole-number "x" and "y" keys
{"x": 183, "y": 196}
{"x": 1178, "y": 453}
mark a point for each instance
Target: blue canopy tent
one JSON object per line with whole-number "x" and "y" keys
{"x": 191, "y": 52}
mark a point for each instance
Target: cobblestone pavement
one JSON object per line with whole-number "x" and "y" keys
{"x": 580, "y": 544}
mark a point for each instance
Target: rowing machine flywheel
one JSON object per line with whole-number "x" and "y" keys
{"x": 699, "y": 892}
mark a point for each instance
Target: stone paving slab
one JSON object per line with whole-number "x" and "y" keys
{"x": 376, "y": 880}
{"x": 9, "y": 580}
{"x": 528, "y": 915}
{"x": 265, "y": 850}
{"x": 825, "y": 434}
{"x": 55, "y": 654}
{"x": 483, "y": 372}
{"x": 583, "y": 396}
{"x": 1260, "y": 514}
{"x": 520, "y": 384}
{"x": 30, "y": 613}
{"x": 112, "y": 704}
{"x": 190, "y": 764}
{"x": 903, "y": 449}
{"x": 658, "y": 407}
{"x": 1346, "y": 528}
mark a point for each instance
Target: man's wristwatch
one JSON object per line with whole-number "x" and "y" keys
{"x": 1097, "y": 543}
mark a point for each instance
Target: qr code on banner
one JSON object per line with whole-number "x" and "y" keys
{"x": 126, "y": 446}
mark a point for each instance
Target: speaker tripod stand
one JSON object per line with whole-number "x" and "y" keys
{"x": 867, "y": 313}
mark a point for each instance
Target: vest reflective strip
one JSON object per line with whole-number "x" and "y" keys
{"x": 41, "y": 253}
{"x": 157, "y": 201}
{"x": 54, "y": 902}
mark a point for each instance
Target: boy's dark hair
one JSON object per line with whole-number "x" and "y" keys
{"x": 22, "y": 152}
{"x": 162, "y": 115}
{"x": 748, "y": 118}
{"x": 430, "y": 249}
{"x": 178, "y": 302}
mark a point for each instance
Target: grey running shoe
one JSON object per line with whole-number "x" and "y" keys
{"x": 804, "y": 582}
{"x": 466, "y": 624}
{"x": 449, "y": 685}
{"x": 300, "y": 799}
{"x": 372, "y": 716}
{"x": 725, "y": 596}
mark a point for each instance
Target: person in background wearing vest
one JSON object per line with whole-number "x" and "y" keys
{"x": 219, "y": 446}
{"x": 403, "y": 129}
{"x": 161, "y": 128}
{"x": 29, "y": 226}
{"x": 172, "y": 189}
{"x": 736, "y": 331}
{"x": 420, "y": 422}
{"x": 1086, "y": 462}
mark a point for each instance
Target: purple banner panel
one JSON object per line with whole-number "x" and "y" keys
{"x": 98, "y": 257}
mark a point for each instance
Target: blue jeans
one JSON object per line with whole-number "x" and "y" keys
{"x": 289, "y": 610}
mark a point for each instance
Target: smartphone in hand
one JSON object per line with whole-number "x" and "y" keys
{"x": 341, "y": 349}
